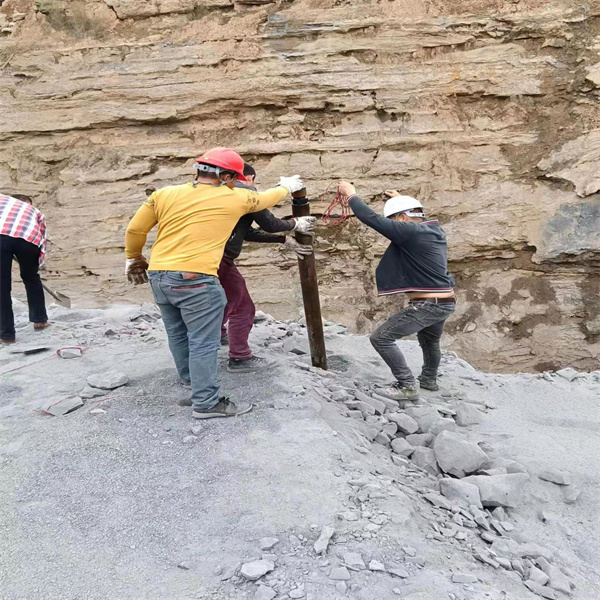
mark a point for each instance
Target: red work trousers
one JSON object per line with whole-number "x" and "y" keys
{"x": 239, "y": 312}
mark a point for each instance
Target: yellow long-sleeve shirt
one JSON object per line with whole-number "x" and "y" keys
{"x": 194, "y": 224}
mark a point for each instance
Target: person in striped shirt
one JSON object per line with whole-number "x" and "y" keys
{"x": 22, "y": 237}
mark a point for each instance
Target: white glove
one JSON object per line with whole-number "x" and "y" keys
{"x": 292, "y": 184}
{"x": 305, "y": 225}
{"x": 135, "y": 269}
{"x": 300, "y": 249}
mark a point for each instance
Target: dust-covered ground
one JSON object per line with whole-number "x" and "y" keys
{"x": 128, "y": 498}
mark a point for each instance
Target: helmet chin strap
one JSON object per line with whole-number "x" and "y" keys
{"x": 210, "y": 169}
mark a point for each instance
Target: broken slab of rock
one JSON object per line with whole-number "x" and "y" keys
{"x": 425, "y": 459}
{"x": 406, "y": 424}
{"x": 570, "y": 493}
{"x": 62, "y": 407}
{"x": 90, "y": 392}
{"x": 419, "y": 439}
{"x": 456, "y": 455}
{"x": 555, "y": 476}
{"x": 402, "y": 447}
{"x": 438, "y": 500}
{"x": 339, "y": 574}
{"x": 264, "y": 593}
{"x": 541, "y": 590}
{"x": 108, "y": 381}
{"x": 463, "y": 578}
{"x": 467, "y": 414}
{"x": 253, "y": 571}
{"x": 323, "y": 542}
{"x": 499, "y": 490}
{"x": 354, "y": 560}
{"x": 267, "y": 543}
{"x": 460, "y": 493}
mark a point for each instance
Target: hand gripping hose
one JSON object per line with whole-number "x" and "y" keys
{"x": 340, "y": 201}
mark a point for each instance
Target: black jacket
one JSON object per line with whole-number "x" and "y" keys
{"x": 244, "y": 231}
{"x": 417, "y": 258}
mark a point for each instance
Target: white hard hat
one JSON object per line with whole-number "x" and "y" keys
{"x": 399, "y": 204}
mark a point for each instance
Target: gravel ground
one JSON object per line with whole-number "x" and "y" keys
{"x": 131, "y": 503}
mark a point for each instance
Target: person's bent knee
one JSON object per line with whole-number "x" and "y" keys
{"x": 379, "y": 339}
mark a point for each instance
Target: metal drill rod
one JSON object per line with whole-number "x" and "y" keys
{"x": 310, "y": 287}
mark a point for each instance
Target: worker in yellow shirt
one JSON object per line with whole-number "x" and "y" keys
{"x": 195, "y": 220}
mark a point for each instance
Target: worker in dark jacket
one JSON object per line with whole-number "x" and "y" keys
{"x": 416, "y": 264}
{"x": 239, "y": 312}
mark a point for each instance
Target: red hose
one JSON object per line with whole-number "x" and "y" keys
{"x": 340, "y": 201}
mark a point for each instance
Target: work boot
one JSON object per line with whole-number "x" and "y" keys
{"x": 428, "y": 383}
{"x": 223, "y": 408}
{"x": 247, "y": 365}
{"x": 398, "y": 391}
{"x": 8, "y": 340}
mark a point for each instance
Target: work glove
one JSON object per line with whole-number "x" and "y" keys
{"x": 300, "y": 249}
{"x": 135, "y": 269}
{"x": 292, "y": 184}
{"x": 305, "y": 225}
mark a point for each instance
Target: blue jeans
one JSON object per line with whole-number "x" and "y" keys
{"x": 192, "y": 311}
{"x": 427, "y": 320}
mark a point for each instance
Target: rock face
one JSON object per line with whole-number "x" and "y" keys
{"x": 484, "y": 109}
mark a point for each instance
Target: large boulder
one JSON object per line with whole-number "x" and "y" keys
{"x": 499, "y": 490}
{"x": 456, "y": 455}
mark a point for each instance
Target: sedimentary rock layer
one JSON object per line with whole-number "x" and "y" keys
{"x": 487, "y": 111}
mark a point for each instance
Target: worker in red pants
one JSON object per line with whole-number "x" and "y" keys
{"x": 239, "y": 312}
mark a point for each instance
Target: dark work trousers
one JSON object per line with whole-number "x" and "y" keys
{"x": 28, "y": 255}
{"x": 239, "y": 312}
{"x": 427, "y": 320}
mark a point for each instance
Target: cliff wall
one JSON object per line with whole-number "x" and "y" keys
{"x": 486, "y": 110}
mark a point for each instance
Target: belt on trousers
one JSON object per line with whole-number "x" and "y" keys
{"x": 449, "y": 300}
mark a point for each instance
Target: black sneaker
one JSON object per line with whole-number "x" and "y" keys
{"x": 247, "y": 365}
{"x": 426, "y": 383}
{"x": 223, "y": 408}
{"x": 397, "y": 391}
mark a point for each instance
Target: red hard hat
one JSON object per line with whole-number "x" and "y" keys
{"x": 225, "y": 158}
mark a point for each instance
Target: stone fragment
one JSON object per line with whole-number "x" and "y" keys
{"x": 460, "y": 492}
{"x": 90, "y": 392}
{"x": 419, "y": 439}
{"x": 62, "y": 407}
{"x": 267, "y": 543}
{"x": 467, "y": 414}
{"x": 341, "y": 587}
{"x": 456, "y": 455}
{"x": 323, "y": 542}
{"x": 378, "y": 406}
{"x": 425, "y": 459}
{"x": 253, "y": 571}
{"x": 558, "y": 580}
{"x": 463, "y": 578}
{"x": 339, "y": 574}
{"x": 399, "y": 572}
{"x": 540, "y": 590}
{"x": 438, "y": 500}
{"x": 499, "y": 490}
{"x": 354, "y": 560}
{"x": 390, "y": 429}
{"x": 440, "y": 425}
{"x": 383, "y": 438}
{"x": 349, "y": 516}
{"x": 70, "y": 352}
{"x": 570, "y": 493}
{"x": 184, "y": 565}
{"x": 264, "y": 593}
{"x": 402, "y": 447}
{"x": 415, "y": 560}
{"x": 538, "y": 576}
{"x": 108, "y": 381}
{"x": 555, "y": 476}
{"x": 97, "y": 411}
{"x": 569, "y": 373}
{"x": 375, "y": 565}
{"x": 365, "y": 408}
{"x": 405, "y": 423}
